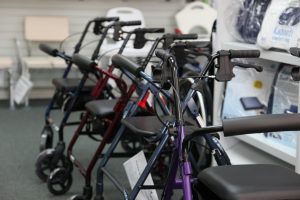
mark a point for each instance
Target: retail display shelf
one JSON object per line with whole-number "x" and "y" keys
{"x": 277, "y": 56}
{"x": 278, "y": 150}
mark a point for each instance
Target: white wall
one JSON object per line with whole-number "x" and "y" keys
{"x": 157, "y": 13}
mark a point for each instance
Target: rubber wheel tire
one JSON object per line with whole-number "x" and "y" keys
{"x": 59, "y": 181}
{"x": 43, "y": 166}
{"x": 46, "y": 141}
{"x": 77, "y": 197}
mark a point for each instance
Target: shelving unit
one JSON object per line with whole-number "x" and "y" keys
{"x": 226, "y": 41}
{"x": 285, "y": 153}
{"x": 280, "y": 151}
{"x": 283, "y": 57}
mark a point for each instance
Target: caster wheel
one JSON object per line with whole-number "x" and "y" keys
{"x": 59, "y": 181}
{"x": 86, "y": 195}
{"x": 44, "y": 165}
{"x": 46, "y": 138}
{"x": 78, "y": 197}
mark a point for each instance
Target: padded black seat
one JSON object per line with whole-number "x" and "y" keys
{"x": 101, "y": 108}
{"x": 148, "y": 125}
{"x": 70, "y": 84}
{"x": 249, "y": 182}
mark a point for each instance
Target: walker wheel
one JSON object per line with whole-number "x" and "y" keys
{"x": 78, "y": 197}
{"x": 59, "y": 181}
{"x": 44, "y": 164}
{"x": 46, "y": 138}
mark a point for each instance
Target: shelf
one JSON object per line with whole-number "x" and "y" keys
{"x": 258, "y": 140}
{"x": 282, "y": 57}
{"x": 225, "y": 41}
{"x": 282, "y": 152}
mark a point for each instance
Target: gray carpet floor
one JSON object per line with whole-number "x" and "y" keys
{"x": 19, "y": 146}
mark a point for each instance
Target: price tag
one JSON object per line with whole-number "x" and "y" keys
{"x": 134, "y": 167}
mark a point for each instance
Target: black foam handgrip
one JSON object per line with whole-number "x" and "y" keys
{"x": 162, "y": 54}
{"x": 295, "y": 51}
{"x": 261, "y": 123}
{"x": 83, "y": 63}
{"x": 244, "y": 53}
{"x": 131, "y": 23}
{"x": 106, "y": 19}
{"x": 122, "y": 62}
{"x": 195, "y": 44}
{"x": 109, "y": 19}
{"x": 48, "y": 50}
{"x": 186, "y": 37}
{"x": 296, "y": 74}
{"x": 153, "y": 30}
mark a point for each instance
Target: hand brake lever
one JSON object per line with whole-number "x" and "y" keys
{"x": 258, "y": 68}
